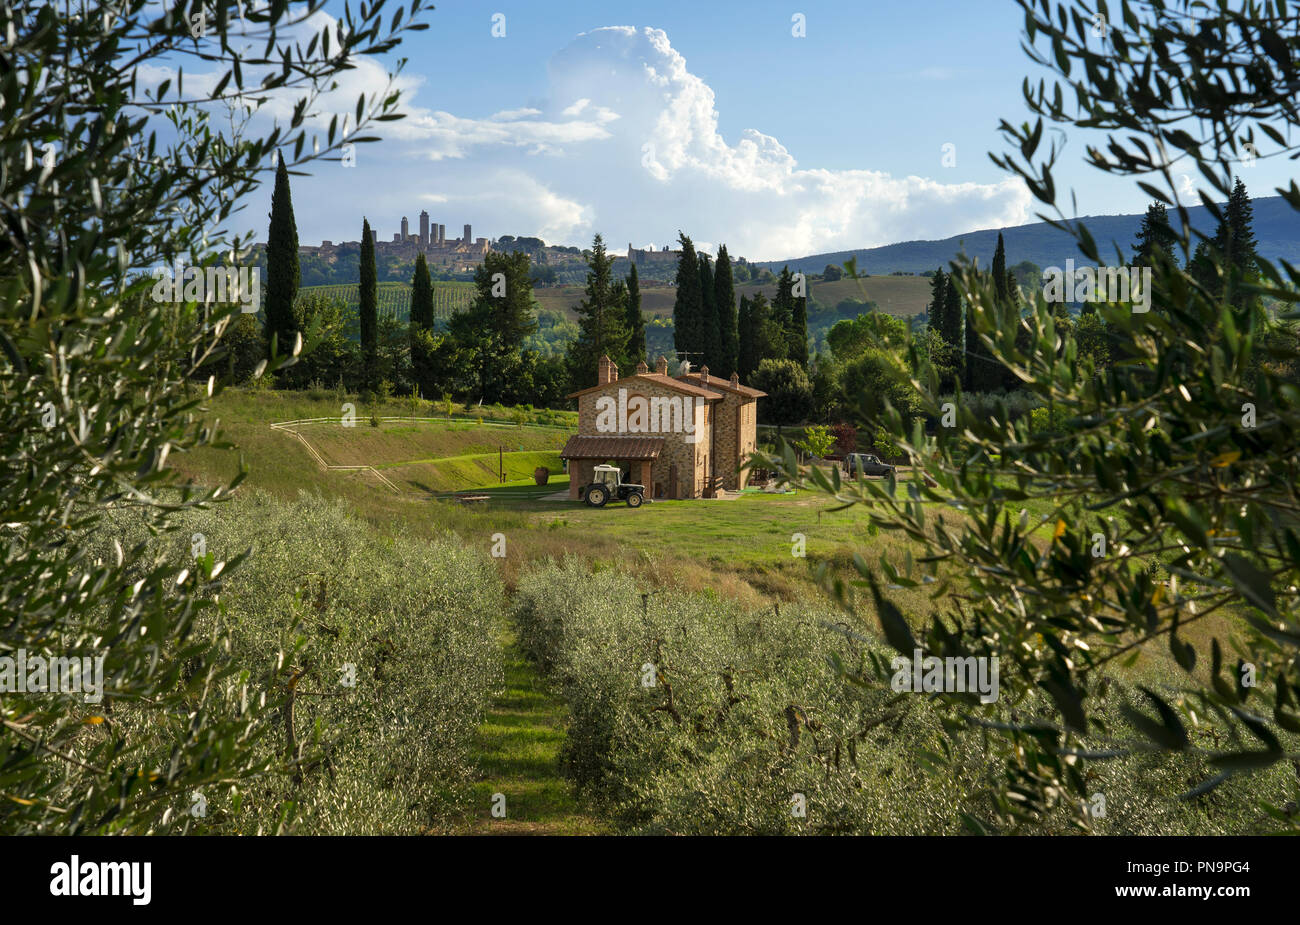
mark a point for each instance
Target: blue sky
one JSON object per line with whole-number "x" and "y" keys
{"x": 710, "y": 118}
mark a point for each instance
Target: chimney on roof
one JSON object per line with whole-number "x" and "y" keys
{"x": 661, "y": 366}
{"x": 606, "y": 371}
{"x": 641, "y": 368}
{"x": 704, "y": 373}
{"x": 735, "y": 379}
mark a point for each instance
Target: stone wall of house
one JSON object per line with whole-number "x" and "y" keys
{"x": 689, "y": 458}
{"x": 735, "y": 434}
{"x": 727, "y": 434}
{"x": 748, "y": 435}
{"x": 736, "y": 430}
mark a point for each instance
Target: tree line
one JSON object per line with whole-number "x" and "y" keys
{"x": 482, "y": 353}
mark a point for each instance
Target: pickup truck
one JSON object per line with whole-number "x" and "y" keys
{"x": 866, "y": 464}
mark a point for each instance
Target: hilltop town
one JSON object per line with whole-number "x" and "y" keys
{"x": 457, "y": 257}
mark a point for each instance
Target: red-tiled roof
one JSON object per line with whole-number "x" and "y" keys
{"x": 724, "y": 384}
{"x": 612, "y": 447}
{"x": 627, "y": 382}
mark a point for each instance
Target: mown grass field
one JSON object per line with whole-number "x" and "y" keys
{"x": 518, "y": 750}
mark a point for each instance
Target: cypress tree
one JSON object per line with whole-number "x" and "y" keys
{"x": 1000, "y": 272}
{"x": 798, "y": 335}
{"x": 769, "y": 335}
{"x": 746, "y": 341}
{"x": 965, "y": 337}
{"x": 688, "y": 335}
{"x": 783, "y": 306}
{"x": 953, "y": 330}
{"x": 708, "y": 314}
{"x": 724, "y": 298}
{"x": 282, "y": 270}
{"x": 421, "y": 320}
{"x": 601, "y": 314}
{"x": 983, "y": 372}
{"x": 781, "y": 314}
{"x": 369, "y": 311}
{"x": 635, "y": 321}
{"x": 989, "y": 372}
{"x": 1154, "y": 232}
{"x": 421, "y": 296}
{"x": 940, "y": 322}
{"x": 937, "y": 304}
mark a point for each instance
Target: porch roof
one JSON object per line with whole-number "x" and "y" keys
{"x": 582, "y": 446}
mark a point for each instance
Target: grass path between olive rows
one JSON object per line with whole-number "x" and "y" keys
{"x": 518, "y": 754}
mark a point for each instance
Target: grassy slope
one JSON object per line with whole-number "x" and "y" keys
{"x": 430, "y": 457}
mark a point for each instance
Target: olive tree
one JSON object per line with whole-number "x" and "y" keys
{"x": 108, "y": 169}
{"x": 1162, "y": 516}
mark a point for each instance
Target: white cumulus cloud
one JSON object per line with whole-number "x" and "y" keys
{"x": 626, "y": 141}
{"x": 636, "y": 153}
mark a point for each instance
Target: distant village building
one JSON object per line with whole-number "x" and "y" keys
{"x": 682, "y": 436}
{"x": 653, "y": 259}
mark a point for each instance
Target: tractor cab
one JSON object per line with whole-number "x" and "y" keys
{"x": 610, "y": 476}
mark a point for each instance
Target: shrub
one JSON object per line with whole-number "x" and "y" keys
{"x": 325, "y": 601}
{"x": 746, "y": 710}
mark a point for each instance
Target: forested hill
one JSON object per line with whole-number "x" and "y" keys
{"x": 1277, "y": 229}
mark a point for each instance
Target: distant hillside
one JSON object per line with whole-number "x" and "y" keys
{"x": 1277, "y": 228}
{"x": 895, "y": 295}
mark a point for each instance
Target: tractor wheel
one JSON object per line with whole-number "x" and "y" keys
{"x": 634, "y": 499}
{"x": 597, "y": 496}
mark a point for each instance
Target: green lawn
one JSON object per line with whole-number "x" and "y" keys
{"x": 518, "y": 754}
{"x": 742, "y": 547}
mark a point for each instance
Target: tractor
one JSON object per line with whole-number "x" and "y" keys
{"x": 607, "y": 482}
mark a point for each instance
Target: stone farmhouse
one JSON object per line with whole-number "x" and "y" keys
{"x": 682, "y": 436}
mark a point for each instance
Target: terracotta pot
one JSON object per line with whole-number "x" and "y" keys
{"x": 541, "y": 475}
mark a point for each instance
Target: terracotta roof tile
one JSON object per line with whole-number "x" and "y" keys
{"x": 583, "y": 446}
{"x": 724, "y": 384}
{"x": 690, "y": 388}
